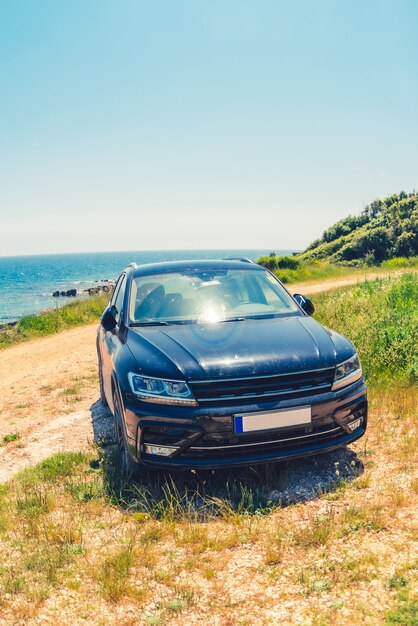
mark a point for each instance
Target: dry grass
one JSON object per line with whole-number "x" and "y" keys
{"x": 78, "y": 545}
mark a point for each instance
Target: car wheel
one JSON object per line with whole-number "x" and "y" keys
{"x": 101, "y": 385}
{"x": 126, "y": 462}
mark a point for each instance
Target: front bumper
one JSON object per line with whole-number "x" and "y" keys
{"x": 205, "y": 438}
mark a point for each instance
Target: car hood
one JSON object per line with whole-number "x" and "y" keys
{"x": 243, "y": 348}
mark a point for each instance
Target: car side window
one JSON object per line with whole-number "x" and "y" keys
{"x": 116, "y": 290}
{"x": 118, "y": 302}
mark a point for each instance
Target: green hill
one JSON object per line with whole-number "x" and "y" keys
{"x": 386, "y": 229}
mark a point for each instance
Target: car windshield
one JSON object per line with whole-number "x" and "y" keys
{"x": 207, "y": 296}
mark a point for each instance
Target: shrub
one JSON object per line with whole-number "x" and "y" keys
{"x": 400, "y": 262}
{"x": 381, "y": 318}
{"x": 274, "y": 262}
{"x": 287, "y": 262}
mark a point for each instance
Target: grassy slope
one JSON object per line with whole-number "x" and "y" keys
{"x": 76, "y": 313}
{"x": 387, "y": 228}
{"x": 385, "y": 233}
{"x": 222, "y": 548}
{"x": 381, "y": 318}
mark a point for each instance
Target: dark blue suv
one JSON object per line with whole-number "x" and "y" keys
{"x": 206, "y": 364}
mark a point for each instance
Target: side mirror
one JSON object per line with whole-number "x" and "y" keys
{"x": 108, "y": 319}
{"x": 304, "y": 303}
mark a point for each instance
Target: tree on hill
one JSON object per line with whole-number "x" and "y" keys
{"x": 386, "y": 229}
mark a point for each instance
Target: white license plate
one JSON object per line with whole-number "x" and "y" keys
{"x": 250, "y": 422}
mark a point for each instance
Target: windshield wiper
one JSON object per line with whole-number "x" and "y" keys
{"x": 229, "y": 319}
{"x": 234, "y": 319}
{"x": 264, "y": 316}
{"x": 155, "y": 323}
{"x": 249, "y": 317}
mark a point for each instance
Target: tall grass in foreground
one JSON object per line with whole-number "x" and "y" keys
{"x": 381, "y": 319}
{"x": 166, "y": 547}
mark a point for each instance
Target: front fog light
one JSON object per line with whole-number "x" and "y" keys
{"x": 159, "y": 450}
{"x": 356, "y": 424}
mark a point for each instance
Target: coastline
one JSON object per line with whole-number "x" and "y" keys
{"x": 65, "y": 297}
{"x": 28, "y": 282}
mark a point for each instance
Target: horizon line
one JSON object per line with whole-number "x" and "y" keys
{"x": 13, "y": 256}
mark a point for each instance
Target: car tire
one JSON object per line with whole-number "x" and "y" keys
{"x": 101, "y": 385}
{"x": 127, "y": 465}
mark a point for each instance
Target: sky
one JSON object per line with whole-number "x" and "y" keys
{"x": 186, "y": 124}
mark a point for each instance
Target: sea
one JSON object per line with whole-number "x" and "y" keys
{"x": 27, "y": 282}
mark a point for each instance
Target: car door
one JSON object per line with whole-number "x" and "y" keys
{"x": 110, "y": 339}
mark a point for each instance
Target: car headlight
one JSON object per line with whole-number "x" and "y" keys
{"x": 161, "y": 391}
{"x": 347, "y": 372}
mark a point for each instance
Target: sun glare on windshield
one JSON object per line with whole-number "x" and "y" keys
{"x": 208, "y": 296}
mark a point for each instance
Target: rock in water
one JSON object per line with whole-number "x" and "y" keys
{"x": 91, "y": 291}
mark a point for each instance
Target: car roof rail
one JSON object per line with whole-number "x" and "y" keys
{"x": 244, "y": 259}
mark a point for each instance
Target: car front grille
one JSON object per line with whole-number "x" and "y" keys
{"x": 290, "y": 441}
{"x": 224, "y": 445}
{"x": 259, "y": 388}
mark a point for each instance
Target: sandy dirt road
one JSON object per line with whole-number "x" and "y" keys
{"x": 47, "y": 387}
{"x": 49, "y": 393}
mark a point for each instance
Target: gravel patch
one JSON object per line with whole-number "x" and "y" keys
{"x": 309, "y": 478}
